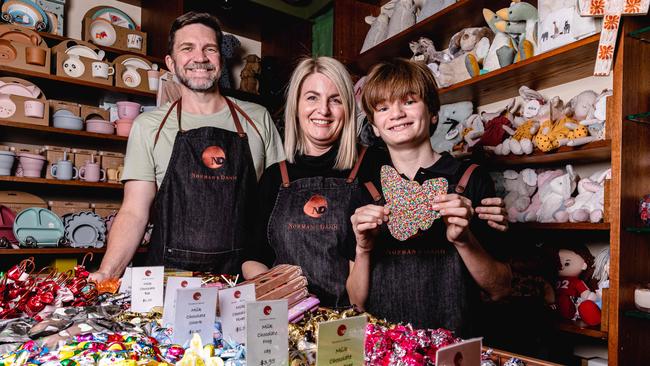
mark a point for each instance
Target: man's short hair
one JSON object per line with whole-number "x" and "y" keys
{"x": 397, "y": 79}
{"x": 193, "y": 17}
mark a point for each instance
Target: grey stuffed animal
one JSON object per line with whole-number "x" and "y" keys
{"x": 403, "y": 16}
{"x": 430, "y": 7}
{"x": 450, "y": 125}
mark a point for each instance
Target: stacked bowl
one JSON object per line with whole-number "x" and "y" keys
{"x": 126, "y": 112}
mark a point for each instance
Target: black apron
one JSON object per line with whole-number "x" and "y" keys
{"x": 307, "y": 227}
{"x": 422, "y": 280}
{"x": 205, "y": 201}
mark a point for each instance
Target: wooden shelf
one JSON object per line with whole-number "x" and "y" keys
{"x": 603, "y": 226}
{"x": 57, "y": 251}
{"x": 592, "y": 332}
{"x": 438, "y": 27}
{"x": 109, "y": 50}
{"x": 638, "y": 230}
{"x": 32, "y": 74}
{"x": 597, "y": 151}
{"x": 56, "y": 182}
{"x": 5, "y": 124}
{"x": 561, "y": 65}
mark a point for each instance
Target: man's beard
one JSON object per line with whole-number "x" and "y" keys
{"x": 200, "y": 85}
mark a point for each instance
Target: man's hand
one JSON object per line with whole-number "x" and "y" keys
{"x": 494, "y": 212}
{"x": 99, "y": 276}
{"x": 365, "y": 224}
{"x": 457, "y": 212}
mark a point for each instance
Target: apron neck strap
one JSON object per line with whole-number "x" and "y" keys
{"x": 247, "y": 118}
{"x": 355, "y": 169}
{"x": 232, "y": 106}
{"x": 284, "y": 173}
{"x": 162, "y": 124}
{"x": 376, "y": 196}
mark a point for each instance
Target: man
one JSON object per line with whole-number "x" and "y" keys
{"x": 197, "y": 161}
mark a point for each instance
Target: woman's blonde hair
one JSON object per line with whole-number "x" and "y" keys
{"x": 294, "y": 140}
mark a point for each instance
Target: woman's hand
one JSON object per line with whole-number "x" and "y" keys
{"x": 493, "y": 210}
{"x": 457, "y": 212}
{"x": 365, "y": 224}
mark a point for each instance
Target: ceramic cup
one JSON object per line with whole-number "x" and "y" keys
{"x": 112, "y": 174}
{"x": 35, "y": 55}
{"x": 102, "y": 70}
{"x": 120, "y": 170}
{"x": 34, "y": 108}
{"x": 128, "y": 110}
{"x": 152, "y": 77}
{"x": 31, "y": 165}
{"x": 63, "y": 170}
{"x": 92, "y": 173}
{"x": 134, "y": 41}
{"x": 123, "y": 127}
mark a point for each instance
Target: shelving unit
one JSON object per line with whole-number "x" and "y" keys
{"x": 56, "y": 182}
{"x": 58, "y": 250}
{"x": 626, "y": 146}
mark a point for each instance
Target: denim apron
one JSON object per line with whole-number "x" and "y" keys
{"x": 307, "y": 227}
{"x": 422, "y": 280}
{"x": 204, "y": 205}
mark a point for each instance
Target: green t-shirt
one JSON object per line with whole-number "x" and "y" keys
{"x": 144, "y": 162}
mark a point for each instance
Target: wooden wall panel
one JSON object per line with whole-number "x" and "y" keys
{"x": 350, "y": 28}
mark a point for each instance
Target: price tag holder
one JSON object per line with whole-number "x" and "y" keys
{"x": 147, "y": 288}
{"x": 195, "y": 313}
{"x": 465, "y": 353}
{"x": 232, "y": 311}
{"x": 267, "y": 338}
{"x": 341, "y": 342}
{"x": 173, "y": 284}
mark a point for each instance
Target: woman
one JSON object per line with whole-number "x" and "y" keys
{"x": 433, "y": 278}
{"x": 305, "y": 200}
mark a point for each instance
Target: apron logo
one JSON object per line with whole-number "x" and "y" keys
{"x": 341, "y": 330}
{"x": 267, "y": 310}
{"x": 196, "y": 296}
{"x": 213, "y": 157}
{"x": 316, "y": 206}
{"x": 147, "y": 273}
{"x": 184, "y": 284}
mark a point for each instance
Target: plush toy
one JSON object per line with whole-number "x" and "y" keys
{"x": 520, "y": 21}
{"x": 530, "y": 214}
{"x": 535, "y": 110}
{"x": 495, "y": 132}
{"x": 553, "y": 130}
{"x": 589, "y": 110}
{"x": 555, "y": 195}
{"x": 250, "y": 74}
{"x": 574, "y": 298}
{"x": 601, "y": 274}
{"x": 468, "y": 46}
{"x": 473, "y": 129}
{"x": 450, "y": 119}
{"x": 378, "y": 28}
{"x": 589, "y": 203}
{"x": 503, "y": 48}
{"x": 519, "y": 187}
{"x": 403, "y": 16}
{"x": 424, "y": 51}
{"x": 430, "y": 7}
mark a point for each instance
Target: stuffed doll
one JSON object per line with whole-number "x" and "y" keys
{"x": 469, "y": 41}
{"x": 450, "y": 125}
{"x": 424, "y": 51}
{"x": 519, "y": 187}
{"x": 430, "y": 7}
{"x": 503, "y": 48}
{"x": 553, "y": 130}
{"x": 535, "y": 110}
{"x": 555, "y": 195}
{"x": 530, "y": 214}
{"x": 473, "y": 129}
{"x": 520, "y": 21}
{"x": 589, "y": 203}
{"x": 601, "y": 274}
{"x": 574, "y": 298}
{"x": 403, "y": 16}
{"x": 589, "y": 110}
{"x": 378, "y": 28}
{"x": 495, "y": 132}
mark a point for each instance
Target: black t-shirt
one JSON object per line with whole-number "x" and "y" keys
{"x": 423, "y": 280}
{"x": 304, "y": 166}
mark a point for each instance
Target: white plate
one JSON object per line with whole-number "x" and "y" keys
{"x": 102, "y": 33}
{"x": 138, "y": 63}
{"x": 131, "y": 78}
{"x": 84, "y": 51}
{"x": 27, "y": 14}
{"x": 19, "y": 89}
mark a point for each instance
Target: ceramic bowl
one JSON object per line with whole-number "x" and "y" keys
{"x": 70, "y": 122}
{"x": 100, "y": 126}
{"x": 6, "y": 162}
{"x": 7, "y": 51}
{"x": 128, "y": 110}
{"x": 31, "y": 164}
{"x": 123, "y": 127}
{"x": 102, "y": 32}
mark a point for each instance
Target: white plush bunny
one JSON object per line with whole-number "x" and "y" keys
{"x": 519, "y": 187}
{"x": 378, "y": 28}
{"x": 589, "y": 203}
{"x": 555, "y": 196}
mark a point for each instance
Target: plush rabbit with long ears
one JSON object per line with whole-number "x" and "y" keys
{"x": 589, "y": 204}
{"x": 555, "y": 196}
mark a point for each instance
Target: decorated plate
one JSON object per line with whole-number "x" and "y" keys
{"x": 115, "y": 16}
{"x": 85, "y": 229}
{"x": 7, "y": 107}
{"x": 84, "y": 51}
{"x": 137, "y": 63}
{"x": 131, "y": 78}
{"x": 25, "y": 12}
{"x": 102, "y": 32}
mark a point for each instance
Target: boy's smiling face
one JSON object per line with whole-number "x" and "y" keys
{"x": 403, "y": 122}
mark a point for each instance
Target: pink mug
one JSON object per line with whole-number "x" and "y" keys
{"x": 92, "y": 173}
